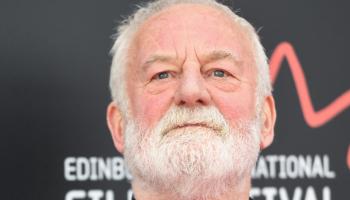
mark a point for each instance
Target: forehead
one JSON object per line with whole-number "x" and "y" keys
{"x": 182, "y": 14}
{"x": 183, "y": 26}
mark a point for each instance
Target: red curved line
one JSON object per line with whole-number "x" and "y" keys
{"x": 348, "y": 157}
{"x": 313, "y": 118}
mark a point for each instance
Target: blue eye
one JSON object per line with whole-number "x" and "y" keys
{"x": 162, "y": 75}
{"x": 219, "y": 73}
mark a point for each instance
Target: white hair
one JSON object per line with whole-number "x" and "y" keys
{"x": 128, "y": 28}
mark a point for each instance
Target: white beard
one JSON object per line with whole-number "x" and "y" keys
{"x": 192, "y": 162}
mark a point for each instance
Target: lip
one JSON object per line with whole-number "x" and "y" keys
{"x": 191, "y": 125}
{"x": 201, "y": 125}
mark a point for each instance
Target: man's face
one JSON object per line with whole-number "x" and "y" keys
{"x": 192, "y": 124}
{"x": 191, "y": 84}
{"x": 191, "y": 55}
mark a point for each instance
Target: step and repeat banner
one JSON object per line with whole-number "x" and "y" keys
{"x": 54, "y": 64}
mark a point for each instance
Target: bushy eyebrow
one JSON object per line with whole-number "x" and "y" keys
{"x": 207, "y": 58}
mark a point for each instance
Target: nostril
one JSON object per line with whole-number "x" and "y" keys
{"x": 200, "y": 101}
{"x": 192, "y": 103}
{"x": 182, "y": 103}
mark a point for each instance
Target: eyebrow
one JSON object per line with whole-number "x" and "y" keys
{"x": 157, "y": 58}
{"x": 221, "y": 54}
{"x": 208, "y": 58}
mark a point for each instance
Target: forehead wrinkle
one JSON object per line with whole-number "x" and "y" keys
{"x": 154, "y": 27}
{"x": 158, "y": 23}
{"x": 174, "y": 43}
{"x": 216, "y": 55}
{"x": 154, "y": 58}
{"x": 150, "y": 30}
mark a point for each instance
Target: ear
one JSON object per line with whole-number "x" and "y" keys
{"x": 116, "y": 126}
{"x": 268, "y": 122}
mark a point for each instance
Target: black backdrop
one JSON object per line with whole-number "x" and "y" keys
{"x": 54, "y": 68}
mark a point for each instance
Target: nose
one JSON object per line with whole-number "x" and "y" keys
{"x": 192, "y": 90}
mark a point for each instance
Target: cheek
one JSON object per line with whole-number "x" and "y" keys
{"x": 149, "y": 109}
{"x": 235, "y": 106}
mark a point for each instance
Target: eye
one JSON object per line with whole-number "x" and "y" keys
{"x": 161, "y": 75}
{"x": 218, "y": 73}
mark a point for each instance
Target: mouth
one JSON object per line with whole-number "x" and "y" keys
{"x": 192, "y": 125}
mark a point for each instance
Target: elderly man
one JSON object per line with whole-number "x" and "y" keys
{"x": 192, "y": 104}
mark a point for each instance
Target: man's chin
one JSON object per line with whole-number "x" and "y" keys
{"x": 188, "y": 159}
{"x": 189, "y": 186}
{"x": 191, "y": 159}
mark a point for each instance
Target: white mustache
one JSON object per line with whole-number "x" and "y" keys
{"x": 200, "y": 117}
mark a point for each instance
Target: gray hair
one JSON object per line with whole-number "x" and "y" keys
{"x": 128, "y": 28}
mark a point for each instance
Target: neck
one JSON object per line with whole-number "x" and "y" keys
{"x": 236, "y": 192}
